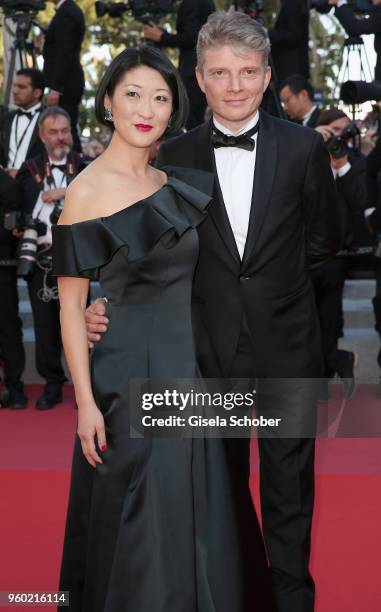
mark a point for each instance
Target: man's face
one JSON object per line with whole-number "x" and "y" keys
{"x": 339, "y": 125}
{"x": 295, "y": 105}
{"x": 234, "y": 82}
{"x": 56, "y": 135}
{"x": 23, "y": 93}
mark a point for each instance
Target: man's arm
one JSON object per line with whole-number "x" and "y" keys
{"x": 188, "y": 25}
{"x": 325, "y": 215}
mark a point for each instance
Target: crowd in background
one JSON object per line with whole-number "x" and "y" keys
{"x": 41, "y": 151}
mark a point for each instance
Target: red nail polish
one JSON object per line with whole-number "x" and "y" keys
{"x": 103, "y": 448}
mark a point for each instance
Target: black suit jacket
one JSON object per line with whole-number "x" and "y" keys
{"x": 191, "y": 16}
{"x": 62, "y": 66}
{"x": 354, "y": 26}
{"x": 9, "y": 200}
{"x": 289, "y": 40}
{"x": 352, "y": 188}
{"x": 36, "y": 147}
{"x": 312, "y": 121}
{"x": 293, "y": 226}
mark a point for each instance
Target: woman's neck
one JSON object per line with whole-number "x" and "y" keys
{"x": 126, "y": 157}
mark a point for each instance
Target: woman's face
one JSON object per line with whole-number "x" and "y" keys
{"x": 141, "y": 106}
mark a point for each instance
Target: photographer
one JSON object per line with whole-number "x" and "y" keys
{"x": 289, "y": 40}
{"x": 19, "y": 138}
{"x": 353, "y": 26}
{"x": 297, "y": 97}
{"x": 11, "y": 343}
{"x": 348, "y": 167}
{"x": 62, "y": 61}
{"x": 191, "y": 16}
{"x": 42, "y": 182}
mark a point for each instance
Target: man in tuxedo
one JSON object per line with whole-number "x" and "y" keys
{"x": 289, "y": 40}
{"x": 19, "y": 135}
{"x": 192, "y": 14}
{"x": 271, "y": 219}
{"x": 62, "y": 61}
{"x": 42, "y": 183}
{"x": 297, "y": 97}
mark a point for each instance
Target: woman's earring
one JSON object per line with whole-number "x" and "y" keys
{"x": 108, "y": 114}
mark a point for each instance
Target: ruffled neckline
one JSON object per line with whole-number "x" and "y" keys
{"x": 175, "y": 207}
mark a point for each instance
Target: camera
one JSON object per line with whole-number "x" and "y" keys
{"x": 141, "y": 10}
{"x": 27, "y": 249}
{"x": 11, "y": 7}
{"x": 338, "y": 145}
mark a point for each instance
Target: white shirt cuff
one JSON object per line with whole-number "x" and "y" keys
{"x": 341, "y": 2}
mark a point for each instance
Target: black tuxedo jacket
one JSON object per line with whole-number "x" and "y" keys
{"x": 294, "y": 225}
{"x": 36, "y": 147}
{"x": 352, "y": 187}
{"x": 191, "y": 16}
{"x": 29, "y": 189}
{"x": 289, "y": 40}
{"x": 62, "y": 48}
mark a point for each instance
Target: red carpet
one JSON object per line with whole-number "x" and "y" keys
{"x": 35, "y": 450}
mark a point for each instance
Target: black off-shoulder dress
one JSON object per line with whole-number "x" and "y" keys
{"x": 163, "y": 525}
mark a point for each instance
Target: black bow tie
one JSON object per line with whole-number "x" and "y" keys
{"x": 22, "y": 113}
{"x": 244, "y": 141}
{"x": 61, "y": 167}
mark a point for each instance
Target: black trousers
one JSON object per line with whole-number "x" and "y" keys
{"x": 328, "y": 281}
{"x": 287, "y": 499}
{"x": 47, "y": 329}
{"x": 197, "y": 102}
{"x": 11, "y": 342}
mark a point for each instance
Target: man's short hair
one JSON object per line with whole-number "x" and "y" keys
{"x": 237, "y": 30}
{"x": 331, "y": 114}
{"x": 36, "y": 77}
{"x": 52, "y": 111}
{"x": 297, "y": 83}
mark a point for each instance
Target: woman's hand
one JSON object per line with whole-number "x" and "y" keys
{"x": 91, "y": 424}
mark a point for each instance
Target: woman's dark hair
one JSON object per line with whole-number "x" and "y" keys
{"x": 153, "y": 58}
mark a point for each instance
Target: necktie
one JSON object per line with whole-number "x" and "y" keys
{"x": 22, "y": 113}
{"x": 244, "y": 141}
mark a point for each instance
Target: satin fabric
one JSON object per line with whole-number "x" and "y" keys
{"x": 163, "y": 525}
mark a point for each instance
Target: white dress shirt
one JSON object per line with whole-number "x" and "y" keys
{"x": 235, "y": 170}
{"x": 21, "y": 132}
{"x": 42, "y": 210}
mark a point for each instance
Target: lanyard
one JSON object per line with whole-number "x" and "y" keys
{"x": 19, "y": 141}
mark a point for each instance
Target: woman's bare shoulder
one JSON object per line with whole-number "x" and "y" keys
{"x": 82, "y": 195}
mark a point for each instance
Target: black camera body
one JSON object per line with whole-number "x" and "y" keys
{"x": 11, "y": 7}
{"x": 338, "y": 145}
{"x": 141, "y": 10}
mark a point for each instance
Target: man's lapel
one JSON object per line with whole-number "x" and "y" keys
{"x": 205, "y": 160}
{"x": 265, "y": 165}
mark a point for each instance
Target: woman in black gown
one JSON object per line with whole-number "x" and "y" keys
{"x": 153, "y": 525}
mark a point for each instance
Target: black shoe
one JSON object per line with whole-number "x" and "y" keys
{"x": 347, "y": 374}
{"x": 50, "y": 398}
{"x": 14, "y": 398}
